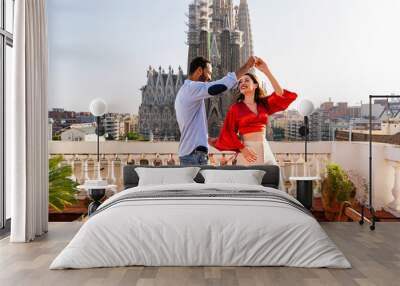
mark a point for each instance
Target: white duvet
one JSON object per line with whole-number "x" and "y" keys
{"x": 200, "y": 231}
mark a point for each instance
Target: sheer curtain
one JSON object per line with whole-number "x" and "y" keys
{"x": 27, "y": 123}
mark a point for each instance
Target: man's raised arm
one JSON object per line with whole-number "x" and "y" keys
{"x": 251, "y": 61}
{"x": 203, "y": 90}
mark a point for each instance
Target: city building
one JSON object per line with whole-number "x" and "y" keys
{"x": 327, "y": 105}
{"x": 50, "y": 129}
{"x": 283, "y": 125}
{"x": 73, "y": 135}
{"x": 391, "y": 110}
{"x": 116, "y": 125}
{"x": 321, "y": 126}
{"x": 376, "y": 109}
{"x": 134, "y": 123}
{"x": 63, "y": 119}
{"x": 127, "y": 124}
{"x": 292, "y": 130}
{"x": 391, "y": 127}
{"x": 78, "y": 132}
{"x": 110, "y": 123}
{"x": 354, "y": 111}
{"x": 84, "y": 117}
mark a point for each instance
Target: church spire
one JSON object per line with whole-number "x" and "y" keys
{"x": 193, "y": 31}
{"x": 179, "y": 79}
{"x": 227, "y": 24}
{"x": 170, "y": 81}
{"x": 215, "y": 56}
{"x": 245, "y": 27}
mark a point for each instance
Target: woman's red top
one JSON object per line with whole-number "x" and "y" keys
{"x": 240, "y": 119}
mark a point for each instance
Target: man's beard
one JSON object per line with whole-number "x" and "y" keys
{"x": 203, "y": 78}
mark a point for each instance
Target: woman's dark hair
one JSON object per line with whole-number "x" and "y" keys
{"x": 198, "y": 62}
{"x": 259, "y": 94}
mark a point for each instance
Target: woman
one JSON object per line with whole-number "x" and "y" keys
{"x": 249, "y": 117}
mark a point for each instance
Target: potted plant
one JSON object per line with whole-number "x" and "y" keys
{"x": 62, "y": 189}
{"x": 336, "y": 189}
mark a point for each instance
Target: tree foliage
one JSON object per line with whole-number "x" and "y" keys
{"x": 62, "y": 189}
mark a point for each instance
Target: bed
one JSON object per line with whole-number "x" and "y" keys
{"x": 201, "y": 224}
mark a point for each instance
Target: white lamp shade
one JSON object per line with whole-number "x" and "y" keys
{"x": 98, "y": 107}
{"x": 306, "y": 107}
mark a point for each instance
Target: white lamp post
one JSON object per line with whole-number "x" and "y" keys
{"x": 304, "y": 190}
{"x": 98, "y": 107}
{"x": 306, "y": 108}
{"x": 96, "y": 188}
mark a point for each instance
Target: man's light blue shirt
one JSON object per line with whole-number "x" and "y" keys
{"x": 191, "y": 111}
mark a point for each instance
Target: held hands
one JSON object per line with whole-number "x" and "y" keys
{"x": 251, "y": 61}
{"x": 261, "y": 65}
{"x": 249, "y": 154}
{"x": 257, "y": 62}
{"x": 212, "y": 141}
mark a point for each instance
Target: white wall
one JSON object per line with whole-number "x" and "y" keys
{"x": 354, "y": 156}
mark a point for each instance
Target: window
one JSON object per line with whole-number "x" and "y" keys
{"x": 6, "y": 61}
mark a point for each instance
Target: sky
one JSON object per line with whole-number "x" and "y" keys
{"x": 342, "y": 49}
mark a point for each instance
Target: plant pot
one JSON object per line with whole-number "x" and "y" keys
{"x": 331, "y": 207}
{"x": 330, "y": 204}
{"x": 336, "y": 189}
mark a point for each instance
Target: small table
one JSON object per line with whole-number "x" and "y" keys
{"x": 304, "y": 190}
{"x": 96, "y": 194}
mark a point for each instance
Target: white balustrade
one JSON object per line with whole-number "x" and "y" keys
{"x": 124, "y": 162}
{"x": 70, "y": 160}
{"x": 85, "y": 166}
{"x": 317, "y": 166}
{"x": 394, "y": 205}
{"x": 110, "y": 167}
{"x": 86, "y": 169}
{"x": 98, "y": 167}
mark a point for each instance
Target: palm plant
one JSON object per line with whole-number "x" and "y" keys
{"x": 62, "y": 189}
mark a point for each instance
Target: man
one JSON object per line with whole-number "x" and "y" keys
{"x": 191, "y": 111}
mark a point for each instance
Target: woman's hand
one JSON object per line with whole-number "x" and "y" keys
{"x": 212, "y": 141}
{"x": 251, "y": 61}
{"x": 261, "y": 65}
{"x": 249, "y": 154}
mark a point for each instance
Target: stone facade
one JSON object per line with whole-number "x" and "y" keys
{"x": 157, "y": 119}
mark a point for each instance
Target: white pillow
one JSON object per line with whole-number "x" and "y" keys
{"x": 166, "y": 176}
{"x": 248, "y": 177}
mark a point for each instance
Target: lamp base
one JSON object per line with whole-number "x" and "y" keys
{"x": 304, "y": 193}
{"x": 96, "y": 195}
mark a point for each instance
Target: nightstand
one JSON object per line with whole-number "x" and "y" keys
{"x": 96, "y": 191}
{"x": 304, "y": 190}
